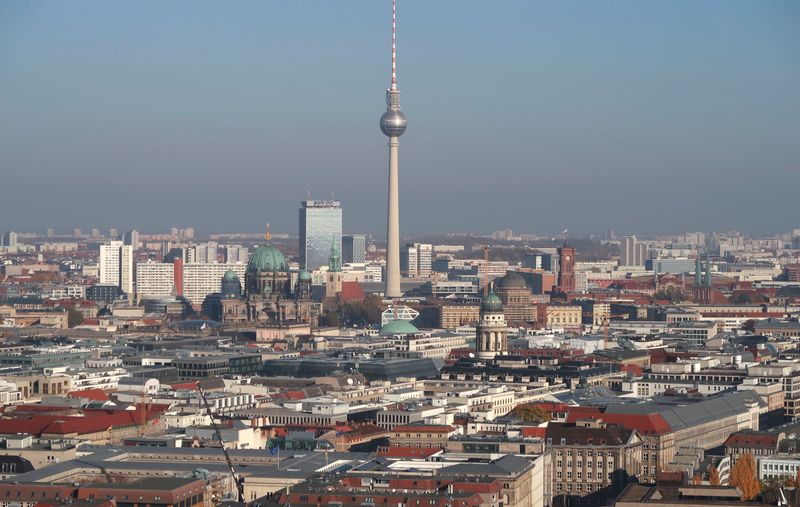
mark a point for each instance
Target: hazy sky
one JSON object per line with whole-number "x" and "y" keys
{"x": 638, "y": 116}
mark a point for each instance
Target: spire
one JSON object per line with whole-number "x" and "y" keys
{"x": 334, "y": 261}
{"x": 698, "y": 268}
{"x": 707, "y": 282}
{"x": 267, "y": 235}
{"x": 394, "y": 45}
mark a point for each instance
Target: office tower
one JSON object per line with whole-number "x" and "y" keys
{"x": 205, "y": 253}
{"x": 173, "y": 232}
{"x": 566, "y": 272}
{"x": 131, "y": 238}
{"x": 51, "y": 233}
{"x": 415, "y": 259}
{"x": 96, "y": 233}
{"x": 113, "y": 233}
{"x": 633, "y": 252}
{"x": 77, "y": 233}
{"x": 320, "y": 223}
{"x": 8, "y": 239}
{"x": 354, "y": 248}
{"x": 187, "y": 233}
{"x": 116, "y": 265}
{"x": 393, "y": 124}
{"x": 236, "y": 253}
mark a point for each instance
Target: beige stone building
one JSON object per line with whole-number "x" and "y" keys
{"x": 455, "y": 315}
{"x": 432, "y": 436}
{"x": 592, "y": 459}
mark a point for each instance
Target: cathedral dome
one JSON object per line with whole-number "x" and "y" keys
{"x": 304, "y": 276}
{"x": 266, "y": 258}
{"x": 512, "y": 280}
{"x": 492, "y": 303}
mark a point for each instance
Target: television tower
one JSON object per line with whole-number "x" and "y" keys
{"x": 393, "y": 124}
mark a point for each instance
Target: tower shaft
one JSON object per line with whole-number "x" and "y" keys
{"x": 393, "y": 225}
{"x": 393, "y": 124}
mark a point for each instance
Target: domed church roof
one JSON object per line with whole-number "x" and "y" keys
{"x": 266, "y": 258}
{"x": 492, "y": 303}
{"x": 304, "y": 276}
{"x": 230, "y": 275}
{"x": 512, "y": 280}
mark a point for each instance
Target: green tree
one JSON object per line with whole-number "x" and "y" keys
{"x": 749, "y": 325}
{"x": 74, "y": 317}
{"x": 329, "y": 318}
{"x": 672, "y": 294}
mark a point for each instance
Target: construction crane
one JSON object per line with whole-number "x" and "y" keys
{"x": 239, "y": 487}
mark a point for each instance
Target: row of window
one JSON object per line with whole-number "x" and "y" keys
{"x": 590, "y": 476}
{"x": 589, "y": 464}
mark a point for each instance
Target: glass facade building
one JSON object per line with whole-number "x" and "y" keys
{"x": 354, "y": 248}
{"x": 320, "y": 226}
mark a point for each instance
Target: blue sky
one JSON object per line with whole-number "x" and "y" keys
{"x": 534, "y": 115}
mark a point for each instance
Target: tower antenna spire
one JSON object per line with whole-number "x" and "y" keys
{"x": 394, "y": 44}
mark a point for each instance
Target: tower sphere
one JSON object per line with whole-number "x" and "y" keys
{"x": 393, "y": 123}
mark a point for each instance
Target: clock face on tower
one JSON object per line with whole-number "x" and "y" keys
{"x": 568, "y": 257}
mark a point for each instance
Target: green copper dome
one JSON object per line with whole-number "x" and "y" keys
{"x": 304, "y": 276}
{"x": 492, "y": 303}
{"x": 266, "y": 258}
{"x": 394, "y": 327}
{"x": 230, "y": 275}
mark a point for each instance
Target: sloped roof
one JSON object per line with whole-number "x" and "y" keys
{"x": 752, "y": 439}
{"x": 351, "y": 291}
{"x": 90, "y": 394}
{"x": 645, "y": 424}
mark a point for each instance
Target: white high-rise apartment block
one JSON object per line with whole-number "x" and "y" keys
{"x": 205, "y": 253}
{"x": 633, "y": 252}
{"x": 415, "y": 259}
{"x": 236, "y": 253}
{"x": 154, "y": 279}
{"x": 200, "y": 280}
{"x": 116, "y": 265}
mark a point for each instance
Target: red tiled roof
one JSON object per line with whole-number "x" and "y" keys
{"x": 747, "y": 439}
{"x": 93, "y": 421}
{"x": 351, "y": 291}
{"x": 422, "y": 428}
{"x": 184, "y": 385}
{"x": 92, "y": 394}
{"x": 645, "y": 424}
{"x": 634, "y": 369}
{"x": 533, "y": 431}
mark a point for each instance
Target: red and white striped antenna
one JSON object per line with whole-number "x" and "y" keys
{"x": 394, "y": 44}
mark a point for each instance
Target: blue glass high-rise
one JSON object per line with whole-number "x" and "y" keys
{"x": 320, "y": 226}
